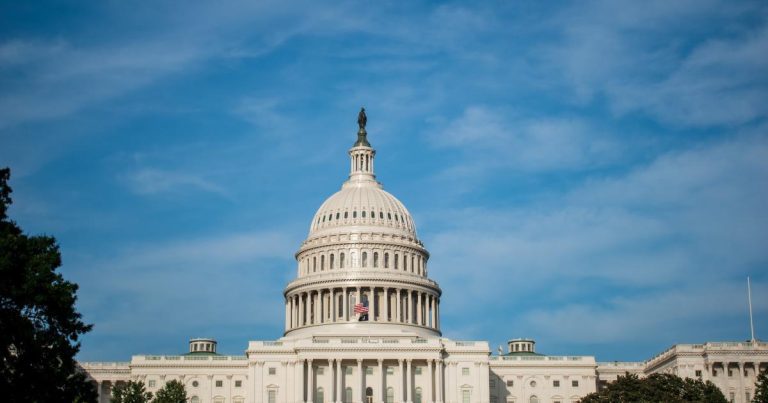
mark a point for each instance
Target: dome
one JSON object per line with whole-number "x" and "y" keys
{"x": 366, "y": 206}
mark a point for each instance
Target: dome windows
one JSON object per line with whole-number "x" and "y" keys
{"x": 341, "y": 260}
{"x": 375, "y": 260}
{"x": 386, "y": 260}
{"x": 365, "y": 254}
{"x": 346, "y": 214}
{"x": 363, "y": 213}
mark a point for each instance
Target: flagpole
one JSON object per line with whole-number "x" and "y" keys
{"x": 749, "y": 297}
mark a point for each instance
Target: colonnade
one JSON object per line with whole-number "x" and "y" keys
{"x": 400, "y": 260}
{"x": 351, "y": 387}
{"x": 385, "y": 304}
{"x": 735, "y": 378}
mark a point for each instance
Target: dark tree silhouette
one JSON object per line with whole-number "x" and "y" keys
{"x": 39, "y": 326}
{"x": 666, "y": 388}
{"x": 172, "y": 392}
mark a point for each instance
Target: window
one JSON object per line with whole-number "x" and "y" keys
{"x": 698, "y": 373}
{"x": 348, "y": 370}
{"x": 151, "y": 383}
{"x": 346, "y": 214}
{"x": 390, "y": 371}
{"x": 405, "y": 262}
{"x": 238, "y": 384}
{"x": 272, "y": 396}
{"x": 386, "y": 260}
{"x": 510, "y": 383}
{"x": 376, "y": 259}
{"x": 464, "y": 396}
{"x": 417, "y": 371}
{"x": 732, "y": 397}
{"x": 194, "y": 399}
{"x": 730, "y": 372}
{"x": 363, "y": 214}
{"x": 322, "y": 263}
{"x": 493, "y": 383}
{"x": 319, "y": 395}
{"x": 556, "y": 384}
{"x": 369, "y": 370}
{"x": 417, "y": 396}
{"x": 533, "y": 384}
{"x": 314, "y": 263}
{"x": 396, "y": 262}
{"x": 332, "y": 261}
{"x": 238, "y": 400}
{"x": 465, "y": 371}
{"x": 354, "y": 214}
{"x": 319, "y": 370}
{"x": 390, "y": 395}
{"x": 348, "y": 395}
{"x": 341, "y": 260}
{"x": 337, "y": 216}
{"x": 389, "y": 216}
{"x": 219, "y": 384}
{"x": 748, "y": 397}
{"x": 194, "y": 384}
{"x": 575, "y": 384}
{"x": 365, "y": 259}
{"x": 218, "y": 400}
{"x": 534, "y": 399}
{"x": 272, "y": 371}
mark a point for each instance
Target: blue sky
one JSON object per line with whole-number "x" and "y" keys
{"x": 591, "y": 174}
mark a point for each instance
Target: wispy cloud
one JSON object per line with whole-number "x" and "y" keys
{"x": 152, "y": 181}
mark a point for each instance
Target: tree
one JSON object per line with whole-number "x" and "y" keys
{"x": 761, "y": 388}
{"x": 39, "y": 326}
{"x": 657, "y": 388}
{"x": 172, "y": 392}
{"x": 130, "y": 392}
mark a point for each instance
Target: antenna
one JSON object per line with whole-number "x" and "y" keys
{"x": 749, "y": 297}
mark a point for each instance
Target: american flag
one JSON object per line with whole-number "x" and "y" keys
{"x": 360, "y": 308}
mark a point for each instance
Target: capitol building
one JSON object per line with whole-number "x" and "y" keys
{"x": 362, "y": 324}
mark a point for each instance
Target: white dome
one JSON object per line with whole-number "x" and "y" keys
{"x": 364, "y": 205}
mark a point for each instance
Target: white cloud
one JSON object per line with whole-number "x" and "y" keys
{"x": 153, "y": 181}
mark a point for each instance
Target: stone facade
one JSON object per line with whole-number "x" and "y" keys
{"x": 362, "y": 324}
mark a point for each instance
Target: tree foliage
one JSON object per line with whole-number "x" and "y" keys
{"x": 657, "y": 388}
{"x": 130, "y": 392}
{"x": 172, "y": 392}
{"x": 761, "y": 388}
{"x": 39, "y": 326}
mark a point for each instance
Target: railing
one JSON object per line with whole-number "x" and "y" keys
{"x": 534, "y": 358}
{"x": 101, "y": 364}
{"x": 465, "y": 343}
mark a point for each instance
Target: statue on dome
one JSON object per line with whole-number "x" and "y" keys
{"x": 362, "y": 119}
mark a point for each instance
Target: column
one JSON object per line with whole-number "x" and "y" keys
{"x": 429, "y": 395}
{"x": 291, "y": 376}
{"x": 359, "y": 295}
{"x": 98, "y": 391}
{"x": 408, "y": 385}
{"x": 283, "y": 395}
{"x": 432, "y": 311}
{"x": 299, "y": 381}
{"x": 300, "y": 316}
{"x": 437, "y": 313}
{"x": 386, "y": 304}
{"x": 399, "y": 312}
{"x": 310, "y": 382}
{"x": 339, "y": 376}
{"x": 439, "y": 381}
{"x": 400, "y": 386}
{"x": 381, "y": 394}
{"x": 334, "y": 310}
{"x": 361, "y": 375}
{"x": 287, "y": 314}
{"x": 258, "y": 384}
{"x": 419, "y": 316}
{"x": 372, "y": 303}
{"x": 318, "y": 312}
{"x": 741, "y": 382}
{"x": 345, "y": 310}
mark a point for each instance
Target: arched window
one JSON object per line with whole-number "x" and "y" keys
{"x": 348, "y": 395}
{"x": 332, "y": 262}
{"x": 390, "y": 395}
{"x": 534, "y": 399}
{"x": 323, "y": 218}
{"x": 354, "y": 214}
{"x": 322, "y": 262}
{"x": 194, "y": 399}
{"x": 337, "y": 216}
{"x": 369, "y": 394}
{"x": 396, "y": 261}
{"x": 465, "y": 396}
{"x": 319, "y": 396}
{"x": 375, "y": 259}
{"x": 363, "y": 213}
{"x": 417, "y": 395}
{"x": 386, "y": 260}
{"x": 405, "y": 262}
{"x": 314, "y": 264}
{"x": 341, "y": 260}
{"x": 365, "y": 259}
{"x": 412, "y": 263}
{"x": 340, "y": 304}
{"x": 381, "y": 215}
